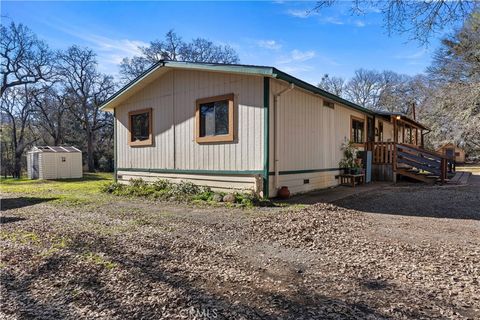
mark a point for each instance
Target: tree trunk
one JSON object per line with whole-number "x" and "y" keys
{"x": 90, "y": 149}
{"x": 17, "y": 168}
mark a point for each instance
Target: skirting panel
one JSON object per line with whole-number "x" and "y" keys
{"x": 227, "y": 183}
{"x": 304, "y": 182}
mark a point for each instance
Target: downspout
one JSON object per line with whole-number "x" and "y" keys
{"x": 277, "y": 131}
{"x": 115, "y": 156}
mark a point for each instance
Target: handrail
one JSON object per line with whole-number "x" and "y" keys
{"x": 433, "y": 153}
{"x": 391, "y": 153}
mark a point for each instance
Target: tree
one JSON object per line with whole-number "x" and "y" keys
{"x": 174, "y": 48}
{"x": 364, "y": 88}
{"x": 50, "y": 114}
{"x": 85, "y": 90}
{"x": 25, "y": 59}
{"x": 335, "y": 85}
{"x": 420, "y": 19}
{"x": 453, "y": 108}
{"x": 16, "y": 109}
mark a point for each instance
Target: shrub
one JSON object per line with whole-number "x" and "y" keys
{"x": 183, "y": 191}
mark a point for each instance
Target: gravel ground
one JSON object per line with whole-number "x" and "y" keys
{"x": 395, "y": 253}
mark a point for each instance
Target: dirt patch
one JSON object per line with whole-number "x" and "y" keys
{"x": 140, "y": 259}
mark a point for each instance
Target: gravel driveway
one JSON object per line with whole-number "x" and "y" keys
{"x": 395, "y": 253}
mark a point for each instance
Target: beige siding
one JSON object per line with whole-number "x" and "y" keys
{"x": 172, "y": 98}
{"x": 310, "y": 136}
{"x": 387, "y": 130}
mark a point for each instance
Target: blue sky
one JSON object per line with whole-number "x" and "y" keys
{"x": 264, "y": 33}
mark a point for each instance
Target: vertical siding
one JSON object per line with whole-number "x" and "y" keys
{"x": 310, "y": 137}
{"x": 310, "y": 134}
{"x": 172, "y": 98}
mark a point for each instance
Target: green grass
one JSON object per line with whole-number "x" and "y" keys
{"x": 67, "y": 191}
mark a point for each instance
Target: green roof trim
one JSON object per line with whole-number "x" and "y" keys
{"x": 314, "y": 89}
{"x": 264, "y": 71}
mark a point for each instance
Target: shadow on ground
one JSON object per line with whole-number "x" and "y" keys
{"x": 433, "y": 202}
{"x": 20, "y": 202}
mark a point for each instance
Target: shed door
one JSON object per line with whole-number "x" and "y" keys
{"x": 63, "y": 166}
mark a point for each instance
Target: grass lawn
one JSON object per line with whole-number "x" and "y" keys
{"x": 67, "y": 191}
{"x": 69, "y": 251}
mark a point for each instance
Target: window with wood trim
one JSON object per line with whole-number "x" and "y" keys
{"x": 357, "y": 133}
{"x": 140, "y": 128}
{"x": 214, "y": 119}
{"x": 328, "y": 104}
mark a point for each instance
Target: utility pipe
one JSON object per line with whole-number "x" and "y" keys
{"x": 277, "y": 131}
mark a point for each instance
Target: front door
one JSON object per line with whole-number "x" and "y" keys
{"x": 63, "y": 167}
{"x": 370, "y": 129}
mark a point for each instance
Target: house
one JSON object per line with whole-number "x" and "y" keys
{"x": 237, "y": 127}
{"x": 452, "y": 151}
{"x": 54, "y": 162}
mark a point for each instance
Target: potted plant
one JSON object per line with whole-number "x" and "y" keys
{"x": 349, "y": 155}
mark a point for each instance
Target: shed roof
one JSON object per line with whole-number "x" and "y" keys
{"x": 55, "y": 149}
{"x": 162, "y": 66}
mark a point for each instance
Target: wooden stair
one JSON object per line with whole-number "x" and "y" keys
{"x": 419, "y": 164}
{"x": 417, "y": 175}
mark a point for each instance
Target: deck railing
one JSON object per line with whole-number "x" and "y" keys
{"x": 382, "y": 152}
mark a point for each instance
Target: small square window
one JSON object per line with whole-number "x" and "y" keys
{"x": 64, "y": 159}
{"x": 328, "y": 104}
{"x": 140, "y": 127}
{"x": 214, "y": 119}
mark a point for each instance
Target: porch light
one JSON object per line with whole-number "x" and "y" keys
{"x": 398, "y": 117}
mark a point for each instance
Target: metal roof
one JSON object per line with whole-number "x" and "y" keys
{"x": 402, "y": 116}
{"x": 56, "y": 149}
{"x": 155, "y": 70}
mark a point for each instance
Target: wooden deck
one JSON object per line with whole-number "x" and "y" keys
{"x": 461, "y": 177}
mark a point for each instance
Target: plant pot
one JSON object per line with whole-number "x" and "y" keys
{"x": 283, "y": 193}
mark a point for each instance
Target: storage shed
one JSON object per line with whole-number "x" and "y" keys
{"x": 452, "y": 151}
{"x": 48, "y": 162}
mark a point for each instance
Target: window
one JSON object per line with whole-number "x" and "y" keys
{"x": 328, "y": 104}
{"x": 64, "y": 159}
{"x": 214, "y": 119}
{"x": 140, "y": 127}
{"x": 358, "y": 130}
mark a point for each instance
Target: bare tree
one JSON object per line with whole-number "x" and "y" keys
{"x": 174, "y": 48}
{"x": 16, "y": 108}
{"x": 335, "y": 85}
{"x": 420, "y": 19}
{"x": 365, "y": 88}
{"x": 85, "y": 89}
{"x": 25, "y": 59}
{"x": 51, "y": 112}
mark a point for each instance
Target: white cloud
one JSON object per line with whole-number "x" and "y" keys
{"x": 297, "y": 56}
{"x": 269, "y": 44}
{"x": 333, "y": 20}
{"x": 413, "y": 56}
{"x": 110, "y": 51}
{"x": 299, "y": 13}
{"x": 360, "y": 23}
